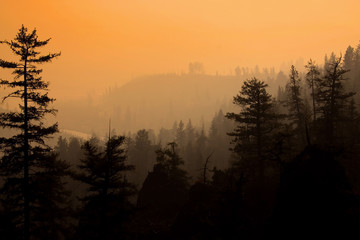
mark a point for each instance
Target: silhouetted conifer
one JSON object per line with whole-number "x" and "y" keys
{"x": 142, "y": 155}
{"x": 295, "y": 104}
{"x": 332, "y": 99}
{"x": 26, "y": 154}
{"x": 255, "y": 122}
{"x": 313, "y": 79}
{"x": 106, "y": 205}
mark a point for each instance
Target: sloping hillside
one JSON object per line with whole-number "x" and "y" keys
{"x": 153, "y": 102}
{"x": 157, "y": 101}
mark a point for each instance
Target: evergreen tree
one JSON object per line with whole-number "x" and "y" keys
{"x": 296, "y": 106}
{"x": 332, "y": 98}
{"x": 189, "y": 132}
{"x": 255, "y": 122}
{"x": 312, "y": 80}
{"x": 26, "y": 151}
{"x": 142, "y": 155}
{"x": 219, "y": 140}
{"x": 180, "y": 136}
{"x": 255, "y": 146}
{"x": 106, "y": 204}
{"x": 349, "y": 58}
{"x": 189, "y": 160}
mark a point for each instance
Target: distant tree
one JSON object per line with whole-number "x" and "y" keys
{"x": 200, "y": 150}
{"x": 165, "y": 135}
{"x": 349, "y": 58}
{"x": 238, "y": 71}
{"x": 218, "y": 142}
{"x": 280, "y": 94}
{"x": 296, "y": 106}
{"x": 174, "y": 131}
{"x": 62, "y": 148}
{"x": 142, "y": 156}
{"x": 196, "y": 68}
{"x": 26, "y": 152}
{"x": 106, "y": 204}
{"x": 313, "y": 79}
{"x": 189, "y": 132}
{"x": 352, "y": 62}
{"x": 74, "y": 151}
{"x": 180, "y": 136}
{"x": 189, "y": 148}
{"x": 332, "y": 98}
{"x": 281, "y": 78}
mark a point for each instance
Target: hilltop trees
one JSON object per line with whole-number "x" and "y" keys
{"x": 25, "y": 154}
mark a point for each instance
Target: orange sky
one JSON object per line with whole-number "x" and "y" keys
{"x": 108, "y": 42}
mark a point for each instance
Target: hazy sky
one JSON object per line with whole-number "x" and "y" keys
{"x": 108, "y": 42}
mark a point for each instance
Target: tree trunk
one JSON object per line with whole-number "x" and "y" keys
{"x": 26, "y": 160}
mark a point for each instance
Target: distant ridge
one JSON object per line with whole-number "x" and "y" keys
{"x": 156, "y": 101}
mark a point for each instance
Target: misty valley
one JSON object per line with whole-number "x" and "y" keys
{"x": 256, "y": 154}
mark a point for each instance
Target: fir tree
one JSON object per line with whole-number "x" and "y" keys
{"x": 26, "y": 152}
{"x": 332, "y": 98}
{"x": 106, "y": 204}
{"x": 255, "y": 122}
{"x": 296, "y": 106}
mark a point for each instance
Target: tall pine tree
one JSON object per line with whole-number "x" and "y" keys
{"x": 25, "y": 153}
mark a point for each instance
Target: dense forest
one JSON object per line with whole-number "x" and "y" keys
{"x": 282, "y": 161}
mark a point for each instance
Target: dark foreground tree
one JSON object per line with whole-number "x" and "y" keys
{"x": 106, "y": 206}
{"x": 26, "y": 153}
{"x": 253, "y": 140}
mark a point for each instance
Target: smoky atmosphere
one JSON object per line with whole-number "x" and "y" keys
{"x": 182, "y": 120}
